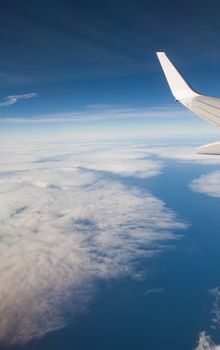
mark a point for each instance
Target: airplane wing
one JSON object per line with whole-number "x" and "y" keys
{"x": 205, "y": 107}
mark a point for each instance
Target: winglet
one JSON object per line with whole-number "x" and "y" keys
{"x": 178, "y": 85}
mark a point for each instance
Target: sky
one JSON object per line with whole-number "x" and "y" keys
{"x": 95, "y": 157}
{"x": 64, "y": 62}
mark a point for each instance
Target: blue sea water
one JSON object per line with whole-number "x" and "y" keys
{"x": 171, "y": 305}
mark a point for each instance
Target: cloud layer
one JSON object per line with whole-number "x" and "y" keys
{"x": 65, "y": 225}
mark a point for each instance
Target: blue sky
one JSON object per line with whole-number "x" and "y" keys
{"x": 77, "y": 56}
{"x": 76, "y": 213}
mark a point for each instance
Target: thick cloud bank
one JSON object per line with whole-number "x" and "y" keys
{"x": 64, "y": 226}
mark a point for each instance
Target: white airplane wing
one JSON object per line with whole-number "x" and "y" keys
{"x": 205, "y": 107}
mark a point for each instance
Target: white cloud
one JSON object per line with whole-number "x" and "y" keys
{"x": 64, "y": 226}
{"x": 207, "y": 184}
{"x": 10, "y": 100}
{"x": 122, "y": 159}
{"x": 126, "y": 161}
{"x": 205, "y": 343}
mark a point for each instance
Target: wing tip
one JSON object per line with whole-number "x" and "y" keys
{"x": 180, "y": 88}
{"x": 160, "y": 54}
{"x": 211, "y": 149}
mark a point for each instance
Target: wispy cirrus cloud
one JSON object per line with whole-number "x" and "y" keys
{"x": 10, "y": 100}
{"x": 64, "y": 226}
{"x": 98, "y": 113}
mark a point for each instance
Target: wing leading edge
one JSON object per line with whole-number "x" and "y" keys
{"x": 205, "y": 107}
